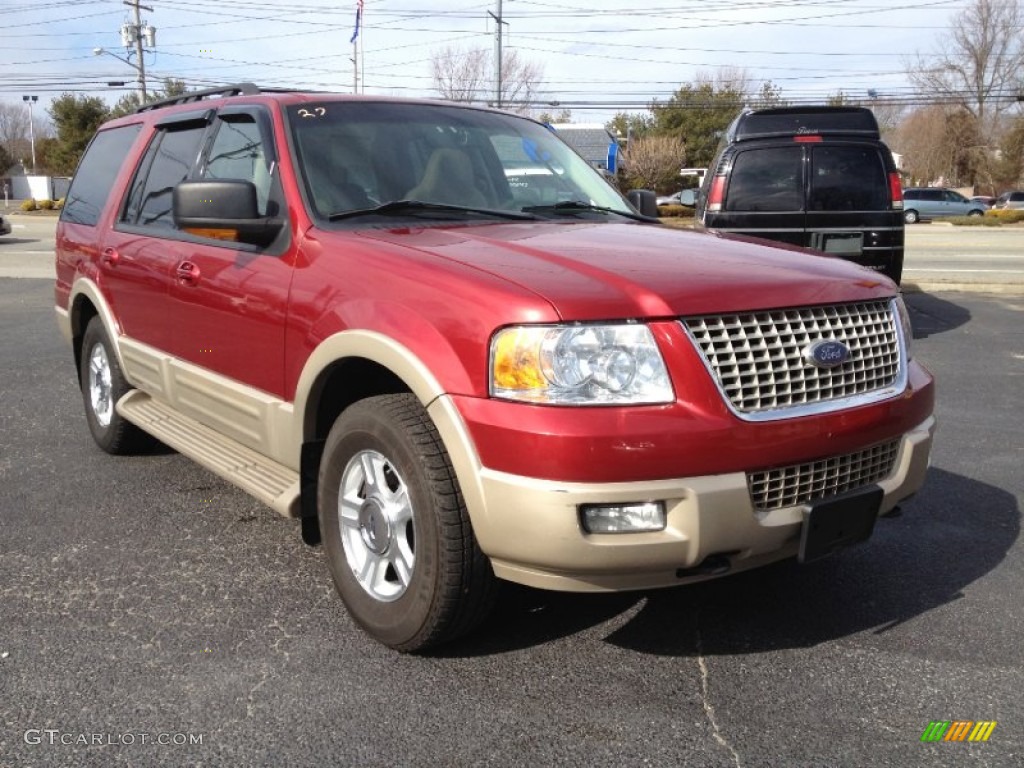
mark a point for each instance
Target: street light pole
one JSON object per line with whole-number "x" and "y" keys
{"x": 30, "y": 100}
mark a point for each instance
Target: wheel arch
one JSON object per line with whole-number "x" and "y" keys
{"x": 85, "y": 302}
{"x": 351, "y": 366}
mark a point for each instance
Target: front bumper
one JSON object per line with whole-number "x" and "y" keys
{"x": 530, "y": 528}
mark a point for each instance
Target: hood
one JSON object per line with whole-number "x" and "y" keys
{"x": 596, "y": 270}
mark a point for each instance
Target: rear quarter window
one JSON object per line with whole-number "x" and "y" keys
{"x": 94, "y": 179}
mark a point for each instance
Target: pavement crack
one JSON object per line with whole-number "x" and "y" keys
{"x": 705, "y": 696}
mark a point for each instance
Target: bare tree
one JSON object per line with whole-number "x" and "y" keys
{"x": 14, "y": 135}
{"x": 468, "y": 75}
{"x": 938, "y": 144}
{"x": 520, "y": 80}
{"x": 460, "y": 75}
{"x": 653, "y": 162}
{"x": 981, "y": 65}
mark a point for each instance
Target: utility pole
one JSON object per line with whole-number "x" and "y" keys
{"x": 30, "y": 100}
{"x": 498, "y": 22}
{"x": 138, "y": 48}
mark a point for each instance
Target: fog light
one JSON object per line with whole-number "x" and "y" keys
{"x": 623, "y": 518}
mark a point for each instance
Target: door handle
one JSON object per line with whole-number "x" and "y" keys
{"x": 187, "y": 272}
{"x": 110, "y": 257}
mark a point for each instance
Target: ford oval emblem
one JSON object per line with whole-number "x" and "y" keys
{"x": 826, "y": 353}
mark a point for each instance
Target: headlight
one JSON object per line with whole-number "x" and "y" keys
{"x": 579, "y": 365}
{"x": 908, "y": 332}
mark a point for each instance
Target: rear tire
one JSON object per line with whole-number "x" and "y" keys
{"x": 911, "y": 217}
{"x": 103, "y": 384}
{"x": 395, "y": 528}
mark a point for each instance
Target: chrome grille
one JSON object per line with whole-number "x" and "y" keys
{"x": 801, "y": 483}
{"x": 757, "y": 357}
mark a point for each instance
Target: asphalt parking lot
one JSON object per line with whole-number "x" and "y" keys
{"x": 150, "y": 614}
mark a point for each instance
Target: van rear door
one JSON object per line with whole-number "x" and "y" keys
{"x": 765, "y": 194}
{"x": 849, "y": 207}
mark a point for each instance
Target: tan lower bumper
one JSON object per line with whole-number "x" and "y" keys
{"x": 530, "y": 528}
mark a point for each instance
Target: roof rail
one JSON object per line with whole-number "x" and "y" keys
{"x": 238, "y": 89}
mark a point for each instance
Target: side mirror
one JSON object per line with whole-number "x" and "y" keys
{"x": 645, "y": 201}
{"x": 225, "y": 210}
{"x": 688, "y": 197}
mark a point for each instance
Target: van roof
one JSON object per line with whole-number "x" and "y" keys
{"x": 799, "y": 121}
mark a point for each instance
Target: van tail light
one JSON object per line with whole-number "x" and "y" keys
{"x": 717, "y": 193}
{"x": 896, "y": 191}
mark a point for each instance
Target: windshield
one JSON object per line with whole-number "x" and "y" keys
{"x": 354, "y": 156}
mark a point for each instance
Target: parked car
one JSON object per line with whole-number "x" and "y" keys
{"x": 672, "y": 199}
{"x": 924, "y": 203}
{"x": 340, "y": 305}
{"x": 984, "y": 200}
{"x": 818, "y": 177}
{"x": 1009, "y": 201}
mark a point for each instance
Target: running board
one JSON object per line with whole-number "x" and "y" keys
{"x": 270, "y": 482}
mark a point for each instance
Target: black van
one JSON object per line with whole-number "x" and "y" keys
{"x": 819, "y": 177}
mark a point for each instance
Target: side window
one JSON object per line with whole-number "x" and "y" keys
{"x": 94, "y": 179}
{"x": 768, "y": 179}
{"x": 168, "y": 161}
{"x": 954, "y": 197}
{"x": 848, "y": 179}
{"x": 238, "y": 152}
{"x": 932, "y": 195}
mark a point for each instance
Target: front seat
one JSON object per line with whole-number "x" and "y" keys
{"x": 329, "y": 183}
{"x": 448, "y": 180}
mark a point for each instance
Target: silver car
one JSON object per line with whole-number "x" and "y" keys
{"x": 1010, "y": 201}
{"x": 922, "y": 203}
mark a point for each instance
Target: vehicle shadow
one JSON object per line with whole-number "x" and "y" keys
{"x": 19, "y": 240}
{"x": 930, "y": 314}
{"x": 954, "y": 532}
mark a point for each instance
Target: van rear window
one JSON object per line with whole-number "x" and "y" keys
{"x": 847, "y": 179}
{"x": 768, "y": 179}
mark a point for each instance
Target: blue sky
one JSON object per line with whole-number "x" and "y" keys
{"x": 596, "y": 51}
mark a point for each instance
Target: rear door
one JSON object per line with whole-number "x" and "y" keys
{"x": 849, "y": 205}
{"x": 765, "y": 194}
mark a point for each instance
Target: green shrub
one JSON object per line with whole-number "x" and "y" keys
{"x": 975, "y": 221}
{"x": 28, "y": 205}
{"x": 1006, "y": 216}
{"x": 671, "y": 211}
{"x": 45, "y": 205}
{"x": 58, "y": 204}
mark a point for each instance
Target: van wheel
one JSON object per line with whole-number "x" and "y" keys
{"x": 910, "y": 217}
{"x": 975, "y": 213}
{"x": 397, "y": 536}
{"x": 103, "y": 384}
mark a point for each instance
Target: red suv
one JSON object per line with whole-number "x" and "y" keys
{"x": 344, "y": 307}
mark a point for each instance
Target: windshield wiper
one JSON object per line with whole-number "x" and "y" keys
{"x": 574, "y": 206}
{"x": 414, "y": 207}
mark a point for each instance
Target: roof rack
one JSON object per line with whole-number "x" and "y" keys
{"x": 238, "y": 89}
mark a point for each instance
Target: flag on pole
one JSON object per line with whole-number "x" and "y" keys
{"x": 359, "y": 18}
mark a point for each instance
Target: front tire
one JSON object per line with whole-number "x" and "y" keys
{"x": 103, "y": 384}
{"x": 975, "y": 212}
{"x": 395, "y": 528}
{"x": 911, "y": 217}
